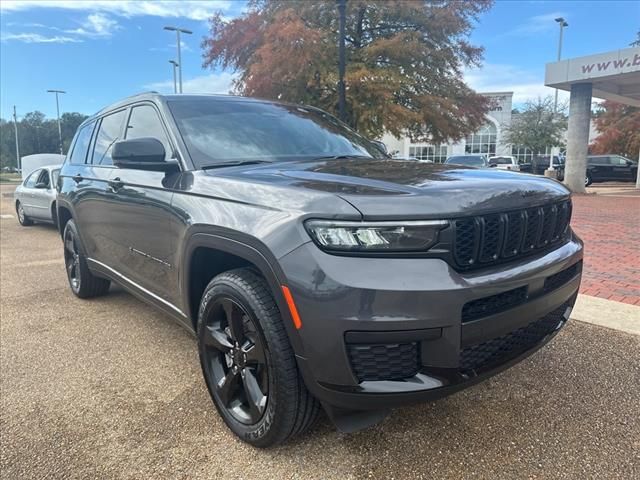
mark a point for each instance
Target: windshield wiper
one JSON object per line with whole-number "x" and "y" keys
{"x": 342, "y": 157}
{"x": 233, "y": 164}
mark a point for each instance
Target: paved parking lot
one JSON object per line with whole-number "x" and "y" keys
{"x": 110, "y": 388}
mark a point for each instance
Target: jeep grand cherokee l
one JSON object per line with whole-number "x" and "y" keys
{"x": 314, "y": 270}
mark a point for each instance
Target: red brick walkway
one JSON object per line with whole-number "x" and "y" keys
{"x": 610, "y": 229}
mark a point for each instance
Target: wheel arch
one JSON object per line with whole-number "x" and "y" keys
{"x": 210, "y": 253}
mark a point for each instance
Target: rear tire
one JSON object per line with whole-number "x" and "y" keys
{"x": 245, "y": 354}
{"x": 83, "y": 283}
{"x": 22, "y": 217}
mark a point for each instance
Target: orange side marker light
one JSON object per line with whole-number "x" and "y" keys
{"x": 292, "y": 307}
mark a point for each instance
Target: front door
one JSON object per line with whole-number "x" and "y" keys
{"x": 143, "y": 227}
{"x": 41, "y": 196}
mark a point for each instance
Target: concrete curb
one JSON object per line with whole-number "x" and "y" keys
{"x": 607, "y": 313}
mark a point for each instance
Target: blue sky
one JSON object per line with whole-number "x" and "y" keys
{"x": 101, "y": 51}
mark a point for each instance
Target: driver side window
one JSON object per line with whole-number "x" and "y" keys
{"x": 109, "y": 132}
{"x": 32, "y": 179}
{"x": 44, "y": 178}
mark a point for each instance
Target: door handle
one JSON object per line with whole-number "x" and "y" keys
{"x": 116, "y": 184}
{"x": 77, "y": 178}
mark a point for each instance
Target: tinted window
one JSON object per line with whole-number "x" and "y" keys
{"x": 109, "y": 133}
{"x": 217, "y": 131}
{"x": 81, "y": 145}
{"x": 144, "y": 122}
{"x": 619, "y": 161}
{"x": 32, "y": 179}
{"x": 500, "y": 161}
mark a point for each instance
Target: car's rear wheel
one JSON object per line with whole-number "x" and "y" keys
{"x": 587, "y": 180}
{"x": 83, "y": 283}
{"x": 248, "y": 363}
{"x": 22, "y": 217}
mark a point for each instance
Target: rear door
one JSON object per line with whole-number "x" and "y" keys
{"x": 143, "y": 227}
{"x": 28, "y": 187}
{"x": 92, "y": 203}
{"x": 600, "y": 167}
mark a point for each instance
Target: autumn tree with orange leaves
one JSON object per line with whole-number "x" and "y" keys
{"x": 404, "y": 61}
{"x": 619, "y": 130}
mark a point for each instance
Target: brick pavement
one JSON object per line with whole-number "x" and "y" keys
{"x": 610, "y": 228}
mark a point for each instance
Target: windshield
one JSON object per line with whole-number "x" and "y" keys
{"x": 468, "y": 160}
{"x": 226, "y": 131}
{"x": 500, "y": 161}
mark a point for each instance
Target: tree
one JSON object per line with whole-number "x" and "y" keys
{"x": 619, "y": 128}
{"x": 404, "y": 61}
{"x": 636, "y": 42}
{"x": 537, "y": 127}
{"x": 37, "y": 134}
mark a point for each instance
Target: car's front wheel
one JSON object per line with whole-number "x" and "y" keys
{"x": 22, "y": 217}
{"x": 248, "y": 363}
{"x": 83, "y": 283}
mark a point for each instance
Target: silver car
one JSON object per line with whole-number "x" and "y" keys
{"x": 35, "y": 198}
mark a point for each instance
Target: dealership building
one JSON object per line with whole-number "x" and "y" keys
{"x": 488, "y": 140}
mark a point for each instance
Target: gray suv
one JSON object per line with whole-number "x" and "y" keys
{"x": 314, "y": 270}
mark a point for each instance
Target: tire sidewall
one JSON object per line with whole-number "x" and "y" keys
{"x": 24, "y": 221}
{"x": 263, "y": 432}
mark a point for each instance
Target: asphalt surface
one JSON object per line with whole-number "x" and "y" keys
{"x": 111, "y": 388}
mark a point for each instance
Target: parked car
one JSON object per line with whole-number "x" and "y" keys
{"x": 479, "y": 161}
{"x": 35, "y": 197}
{"x": 601, "y": 168}
{"x": 314, "y": 270}
{"x": 540, "y": 163}
{"x": 504, "y": 162}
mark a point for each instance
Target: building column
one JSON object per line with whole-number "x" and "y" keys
{"x": 578, "y": 136}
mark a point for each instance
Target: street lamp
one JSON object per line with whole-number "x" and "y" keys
{"x": 175, "y": 85}
{"x": 179, "y": 30}
{"x": 562, "y": 22}
{"x": 58, "y": 110}
{"x": 342, "y": 5}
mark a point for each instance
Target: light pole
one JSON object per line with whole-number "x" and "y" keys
{"x": 175, "y": 85}
{"x": 15, "y": 124}
{"x": 342, "y": 4}
{"x": 179, "y": 30}
{"x": 562, "y": 22}
{"x": 58, "y": 110}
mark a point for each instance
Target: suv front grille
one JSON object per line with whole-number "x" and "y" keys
{"x": 488, "y": 239}
{"x": 493, "y": 352}
{"x": 393, "y": 361}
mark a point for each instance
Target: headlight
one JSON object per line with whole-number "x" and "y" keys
{"x": 375, "y": 236}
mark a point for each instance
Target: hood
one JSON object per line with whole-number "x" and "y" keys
{"x": 384, "y": 189}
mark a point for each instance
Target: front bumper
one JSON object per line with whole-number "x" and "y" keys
{"x": 455, "y": 325}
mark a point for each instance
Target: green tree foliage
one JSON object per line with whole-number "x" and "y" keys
{"x": 37, "y": 134}
{"x": 404, "y": 61}
{"x": 537, "y": 127}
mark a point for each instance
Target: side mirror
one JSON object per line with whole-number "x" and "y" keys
{"x": 41, "y": 185}
{"x": 144, "y": 153}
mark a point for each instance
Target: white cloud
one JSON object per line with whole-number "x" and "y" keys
{"x": 37, "y": 38}
{"x": 538, "y": 24}
{"x": 194, "y": 10}
{"x": 525, "y": 84}
{"x": 96, "y": 25}
{"x": 212, "y": 83}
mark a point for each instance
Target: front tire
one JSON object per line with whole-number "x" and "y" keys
{"x": 247, "y": 361}
{"x": 82, "y": 282}
{"x": 22, "y": 217}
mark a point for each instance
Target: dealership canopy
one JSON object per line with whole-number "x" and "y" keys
{"x": 611, "y": 76}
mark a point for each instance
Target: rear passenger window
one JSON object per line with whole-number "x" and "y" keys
{"x": 81, "y": 145}
{"x": 144, "y": 122}
{"x": 32, "y": 179}
{"x": 109, "y": 133}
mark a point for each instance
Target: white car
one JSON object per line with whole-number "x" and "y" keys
{"x": 35, "y": 197}
{"x": 504, "y": 162}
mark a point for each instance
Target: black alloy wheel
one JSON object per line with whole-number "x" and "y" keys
{"x": 235, "y": 361}
{"x": 72, "y": 260}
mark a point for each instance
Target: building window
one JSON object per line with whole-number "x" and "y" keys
{"x": 483, "y": 141}
{"x": 428, "y": 153}
{"x": 521, "y": 154}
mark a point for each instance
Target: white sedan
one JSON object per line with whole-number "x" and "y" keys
{"x": 35, "y": 198}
